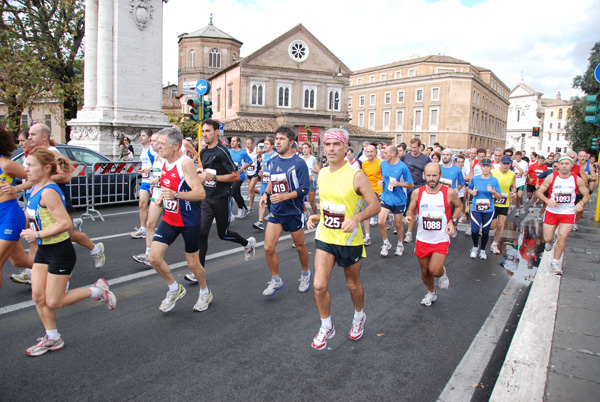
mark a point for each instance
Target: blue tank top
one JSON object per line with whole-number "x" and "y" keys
{"x": 40, "y": 217}
{"x": 5, "y": 177}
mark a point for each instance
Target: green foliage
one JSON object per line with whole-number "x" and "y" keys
{"x": 579, "y": 132}
{"x": 188, "y": 127}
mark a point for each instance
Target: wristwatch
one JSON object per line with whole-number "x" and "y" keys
{"x": 37, "y": 235}
{"x": 176, "y": 195}
{"x": 214, "y": 177}
{"x": 455, "y": 222}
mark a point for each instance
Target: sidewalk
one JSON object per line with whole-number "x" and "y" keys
{"x": 555, "y": 353}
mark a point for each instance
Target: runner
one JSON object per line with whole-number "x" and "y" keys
{"x": 187, "y": 148}
{"x": 484, "y": 189}
{"x": 521, "y": 180}
{"x": 533, "y": 183}
{"x": 218, "y": 173}
{"x": 561, "y": 207}
{"x": 181, "y": 197}
{"x": 268, "y": 153}
{"x": 339, "y": 238}
{"x": 313, "y": 171}
{"x": 252, "y": 171}
{"x": 288, "y": 185}
{"x": 506, "y": 179}
{"x": 242, "y": 161}
{"x": 395, "y": 178}
{"x": 416, "y": 162}
{"x": 147, "y": 159}
{"x": 155, "y": 209}
{"x": 436, "y": 224}
{"x": 55, "y": 258}
{"x": 371, "y": 167}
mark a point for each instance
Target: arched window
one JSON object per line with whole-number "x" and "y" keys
{"x": 214, "y": 58}
{"x": 559, "y": 114}
{"x": 192, "y": 60}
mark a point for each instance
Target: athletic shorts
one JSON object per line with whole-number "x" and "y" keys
{"x": 250, "y": 177}
{"x": 424, "y": 250}
{"x": 60, "y": 257}
{"x": 290, "y": 223}
{"x": 12, "y": 220}
{"x": 521, "y": 188}
{"x": 395, "y": 209}
{"x": 156, "y": 193}
{"x": 500, "y": 211}
{"x": 312, "y": 186}
{"x": 531, "y": 188}
{"x": 345, "y": 256}
{"x": 167, "y": 234}
{"x": 555, "y": 219}
{"x": 145, "y": 187}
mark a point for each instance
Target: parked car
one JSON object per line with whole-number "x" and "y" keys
{"x": 110, "y": 183}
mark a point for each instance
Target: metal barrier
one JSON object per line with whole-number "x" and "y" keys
{"x": 104, "y": 184}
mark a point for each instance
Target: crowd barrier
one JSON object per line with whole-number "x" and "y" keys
{"x": 106, "y": 183}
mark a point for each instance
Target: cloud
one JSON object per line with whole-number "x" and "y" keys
{"x": 548, "y": 40}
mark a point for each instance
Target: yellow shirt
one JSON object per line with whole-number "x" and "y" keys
{"x": 373, "y": 172}
{"x": 339, "y": 202}
{"x": 506, "y": 181}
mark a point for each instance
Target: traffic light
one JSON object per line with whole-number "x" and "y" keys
{"x": 206, "y": 110}
{"x": 535, "y": 132}
{"x": 593, "y": 110}
{"x": 194, "y": 105}
{"x": 595, "y": 144}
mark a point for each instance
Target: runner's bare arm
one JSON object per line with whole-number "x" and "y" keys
{"x": 362, "y": 186}
{"x": 583, "y": 190}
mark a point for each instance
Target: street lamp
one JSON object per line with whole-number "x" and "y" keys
{"x": 338, "y": 67}
{"x": 523, "y": 141}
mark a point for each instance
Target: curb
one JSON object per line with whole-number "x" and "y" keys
{"x": 525, "y": 369}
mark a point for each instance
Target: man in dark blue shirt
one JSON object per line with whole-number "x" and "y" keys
{"x": 416, "y": 161}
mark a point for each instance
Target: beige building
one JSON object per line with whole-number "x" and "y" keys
{"x": 434, "y": 98}
{"x": 44, "y": 111}
{"x": 553, "y": 137}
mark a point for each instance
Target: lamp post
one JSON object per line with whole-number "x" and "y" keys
{"x": 338, "y": 67}
{"x": 522, "y": 141}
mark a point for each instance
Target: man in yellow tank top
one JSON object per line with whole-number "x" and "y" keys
{"x": 339, "y": 235}
{"x": 507, "y": 180}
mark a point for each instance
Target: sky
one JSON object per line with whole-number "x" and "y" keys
{"x": 545, "y": 42}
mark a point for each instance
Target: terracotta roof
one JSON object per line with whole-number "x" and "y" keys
{"x": 249, "y": 125}
{"x": 209, "y": 31}
{"x": 171, "y": 102}
{"x": 425, "y": 59}
{"x": 357, "y": 131}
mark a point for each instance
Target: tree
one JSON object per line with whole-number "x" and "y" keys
{"x": 579, "y": 132}
{"x": 49, "y": 36}
{"x": 188, "y": 127}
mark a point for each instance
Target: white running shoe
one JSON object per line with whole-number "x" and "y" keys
{"x": 367, "y": 240}
{"x": 322, "y": 337}
{"x": 468, "y": 231}
{"x": 384, "y": 249}
{"x": 408, "y": 238}
{"x": 139, "y": 234}
{"x": 575, "y": 228}
{"x": 390, "y": 222}
{"x": 191, "y": 277}
{"x": 399, "y": 250}
{"x": 98, "y": 257}
{"x": 142, "y": 259}
{"x": 556, "y": 268}
{"x": 77, "y": 224}
{"x": 169, "y": 302}
{"x": 428, "y": 299}
{"x": 258, "y": 225}
{"x": 273, "y": 287}
{"x": 203, "y": 301}
{"x": 473, "y": 253}
{"x": 305, "y": 282}
{"x": 494, "y": 248}
{"x": 482, "y": 255}
{"x": 444, "y": 282}
{"x": 373, "y": 221}
{"x": 23, "y": 277}
{"x": 45, "y": 345}
{"x": 249, "y": 249}
{"x": 518, "y": 213}
{"x": 106, "y": 296}
{"x": 548, "y": 246}
{"x": 358, "y": 328}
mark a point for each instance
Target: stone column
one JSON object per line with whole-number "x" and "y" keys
{"x": 91, "y": 53}
{"x": 105, "y": 55}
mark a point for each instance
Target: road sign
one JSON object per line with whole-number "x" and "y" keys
{"x": 597, "y": 73}
{"x": 189, "y": 88}
{"x": 202, "y": 87}
{"x": 225, "y": 141}
{"x": 221, "y": 126}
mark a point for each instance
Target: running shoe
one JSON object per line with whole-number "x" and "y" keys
{"x": 428, "y": 299}
{"x": 556, "y": 268}
{"x": 305, "y": 282}
{"x": 494, "y": 248}
{"x": 468, "y": 231}
{"x": 548, "y": 246}
{"x": 106, "y": 296}
{"x": 399, "y": 250}
{"x": 444, "y": 282}
{"x": 462, "y": 219}
{"x": 249, "y": 249}
{"x": 98, "y": 257}
{"x": 530, "y": 210}
{"x": 473, "y": 253}
{"x": 408, "y": 238}
{"x": 142, "y": 259}
{"x": 389, "y": 223}
{"x": 203, "y": 301}
{"x": 23, "y": 277}
{"x": 540, "y": 217}
{"x": 367, "y": 240}
{"x": 373, "y": 221}
{"x": 139, "y": 234}
{"x": 522, "y": 210}
{"x": 191, "y": 277}
{"x": 250, "y": 210}
{"x": 45, "y": 345}
{"x": 258, "y": 225}
{"x": 324, "y": 334}
{"x": 358, "y": 328}
{"x": 518, "y": 213}
{"x": 77, "y": 224}
{"x": 482, "y": 255}
{"x": 171, "y": 299}
{"x": 395, "y": 230}
{"x": 527, "y": 200}
{"x": 384, "y": 249}
{"x": 575, "y": 228}
{"x": 240, "y": 213}
{"x": 273, "y": 287}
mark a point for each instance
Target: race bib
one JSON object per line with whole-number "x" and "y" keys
{"x": 503, "y": 199}
{"x": 171, "y": 206}
{"x": 563, "y": 196}
{"x": 432, "y": 220}
{"x": 482, "y": 205}
{"x": 446, "y": 182}
{"x": 251, "y": 170}
{"x": 333, "y": 215}
{"x": 145, "y": 175}
{"x": 392, "y": 181}
{"x": 210, "y": 183}
{"x": 265, "y": 177}
{"x": 279, "y": 184}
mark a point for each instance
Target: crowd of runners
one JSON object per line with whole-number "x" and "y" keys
{"x": 183, "y": 192}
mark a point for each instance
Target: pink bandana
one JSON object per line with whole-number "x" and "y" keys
{"x": 335, "y": 135}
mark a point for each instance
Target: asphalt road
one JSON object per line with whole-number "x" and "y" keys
{"x": 247, "y": 346}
